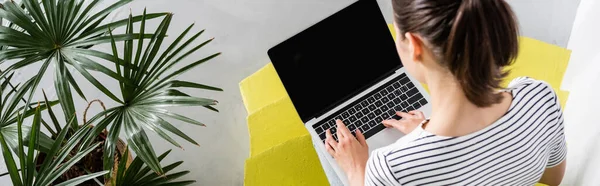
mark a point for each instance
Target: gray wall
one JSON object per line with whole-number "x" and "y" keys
{"x": 244, "y": 31}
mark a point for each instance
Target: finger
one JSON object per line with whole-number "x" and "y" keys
{"x": 342, "y": 129}
{"x": 403, "y": 114}
{"x": 360, "y": 137}
{"x": 329, "y": 149}
{"x": 417, "y": 113}
{"x": 329, "y": 140}
{"x": 389, "y": 123}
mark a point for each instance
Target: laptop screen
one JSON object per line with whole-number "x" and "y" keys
{"x": 335, "y": 59}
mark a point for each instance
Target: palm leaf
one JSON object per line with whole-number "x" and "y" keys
{"x": 149, "y": 88}
{"x": 61, "y": 32}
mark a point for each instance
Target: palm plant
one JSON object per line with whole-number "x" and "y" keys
{"x": 139, "y": 174}
{"x": 63, "y": 33}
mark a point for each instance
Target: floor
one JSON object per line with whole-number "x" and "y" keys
{"x": 244, "y": 30}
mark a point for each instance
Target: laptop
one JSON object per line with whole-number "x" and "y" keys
{"x": 347, "y": 67}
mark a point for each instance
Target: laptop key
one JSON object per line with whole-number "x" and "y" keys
{"x": 364, "y": 128}
{"x": 345, "y": 115}
{"x": 403, "y": 97}
{"x": 416, "y": 105}
{"x": 423, "y": 101}
{"x": 410, "y": 85}
{"x": 385, "y": 115}
{"x": 404, "y": 89}
{"x": 377, "y": 95}
{"x": 404, "y": 104}
{"x": 414, "y": 99}
{"x": 377, "y": 112}
{"x": 391, "y": 96}
{"x": 358, "y": 107}
{"x": 373, "y": 131}
{"x": 396, "y": 85}
{"x": 319, "y": 129}
{"x": 384, "y": 92}
{"x": 378, "y": 103}
{"x": 371, "y": 99}
{"x": 397, "y": 101}
{"x": 351, "y": 127}
{"x": 351, "y": 111}
{"x": 323, "y": 136}
{"x": 384, "y": 108}
{"x": 352, "y": 119}
{"x": 364, "y": 103}
{"x": 364, "y": 119}
{"x": 359, "y": 114}
{"x": 333, "y": 130}
{"x": 370, "y": 116}
{"x": 396, "y": 117}
{"x": 390, "y": 88}
{"x": 390, "y": 104}
{"x": 398, "y": 108}
{"x": 365, "y": 111}
{"x": 391, "y": 112}
{"x": 372, "y": 107}
{"x": 384, "y": 100}
{"x": 404, "y": 80}
{"x": 410, "y": 108}
{"x": 397, "y": 92}
{"x": 358, "y": 123}
{"x": 372, "y": 123}
{"x": 412, "y": 92}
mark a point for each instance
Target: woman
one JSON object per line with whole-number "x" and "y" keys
{"x": 477, "y": 133}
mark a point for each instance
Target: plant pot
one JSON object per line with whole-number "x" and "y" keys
{"x": 93, "y": 162}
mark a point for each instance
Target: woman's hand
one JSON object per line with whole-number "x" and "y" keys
{"x": 350, "y": 153}
{"x": 408, "y": 123}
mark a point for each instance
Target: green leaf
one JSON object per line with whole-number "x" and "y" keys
{"x": 63, "y": 91}
{"x": 81, "y": 179}
{"x": 91, "y": 65}
{"x": 52, "y": 115}
{"x": 107, "y": 39}
{"x": 92, "y": 79}
{"x": 187, "y": 84}
{"x": 211, "y": 108}
{"x": 167, "y": 178}
{"x": 121, "y": 168}
{"x": 169, "y": 101}
{"x": 75, "y": 85}
{"x": 33, "y": 140}
{"x": 139, "y": 143}
{"x": 111, "y": 143}
{"x": 10, "y": 162}
{"x": 151, "y": 125}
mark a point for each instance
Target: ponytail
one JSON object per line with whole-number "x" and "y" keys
{"x": 474, "y": 39}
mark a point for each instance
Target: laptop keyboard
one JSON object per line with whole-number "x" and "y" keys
{"x": 366, "y": 114}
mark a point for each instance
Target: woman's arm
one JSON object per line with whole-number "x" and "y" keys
{"x": 554, "y": 175}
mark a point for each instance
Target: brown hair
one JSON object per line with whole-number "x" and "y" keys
{"x": 474, "y": 39}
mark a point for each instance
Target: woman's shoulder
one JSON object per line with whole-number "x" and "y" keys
{"x": 527, "y": 86}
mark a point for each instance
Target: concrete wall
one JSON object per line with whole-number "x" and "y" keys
{"x": 244, "y": 31}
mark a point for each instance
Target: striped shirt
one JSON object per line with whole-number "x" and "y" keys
{"x": 514, "y": 150}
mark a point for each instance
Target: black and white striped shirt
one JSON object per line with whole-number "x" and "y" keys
{"x": 514, "y": 150}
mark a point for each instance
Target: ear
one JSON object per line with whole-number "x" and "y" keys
{"x": 415, "y": 46}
